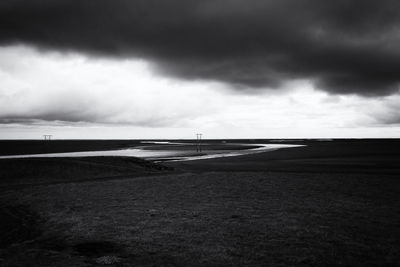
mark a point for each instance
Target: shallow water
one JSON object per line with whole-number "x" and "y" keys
{"x": 131, "y": 152}
{"x": 219, "y": 154}
{"x": 159, "y": 155}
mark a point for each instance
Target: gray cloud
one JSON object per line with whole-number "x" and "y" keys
{"x": 388, "y": 114}
{"x": 70, "y": 118}
{"x": 343, "y": 46}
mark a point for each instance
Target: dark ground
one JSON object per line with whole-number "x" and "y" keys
{"x": 380, "y": 156}
{"x": 19, "y": 147}
{"x": 328, "y": 204}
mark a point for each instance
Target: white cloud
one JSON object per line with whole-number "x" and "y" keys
{"x": 73, "y": 96}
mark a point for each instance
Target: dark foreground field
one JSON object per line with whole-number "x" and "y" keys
{"x": 327, "y": 204}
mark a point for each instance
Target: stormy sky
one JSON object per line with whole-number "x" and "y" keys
{"x": 228, "y": 68}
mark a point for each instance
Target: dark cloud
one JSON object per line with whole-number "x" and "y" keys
{"x": 72, "y": 119}
{"x": 344, "y": 46}
{"x": 50, "y": 115}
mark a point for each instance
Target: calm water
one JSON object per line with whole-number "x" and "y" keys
{"x": 173, "y": 155}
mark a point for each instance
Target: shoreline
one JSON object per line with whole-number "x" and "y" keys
{"x": 176, "y": 154}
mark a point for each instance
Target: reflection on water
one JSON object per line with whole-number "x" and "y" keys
{"x": 219, "y": 154}
{"x": 158, "y": 155}
{"x": 132, "y": 152}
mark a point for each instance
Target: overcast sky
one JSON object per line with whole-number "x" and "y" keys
{"x": 226, "y": 68}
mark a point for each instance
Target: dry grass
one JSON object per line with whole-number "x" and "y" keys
{"x": 33, "y": 171}
{"x": 219, "y": 219}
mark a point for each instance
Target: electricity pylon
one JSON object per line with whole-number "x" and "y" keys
{"x": 198, "y": 138}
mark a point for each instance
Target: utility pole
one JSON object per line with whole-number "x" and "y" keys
{"x": 47, "y": 137}
{"x": 198, "y": 138}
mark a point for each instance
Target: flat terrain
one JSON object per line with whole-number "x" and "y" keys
{"x": 328, "y": 204}
{"x": 22, "y": 147}
{"x": 338, "y": 156}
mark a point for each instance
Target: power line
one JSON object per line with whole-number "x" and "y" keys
{"x": 198, "y": 138}
{"x": 47, "y": 137}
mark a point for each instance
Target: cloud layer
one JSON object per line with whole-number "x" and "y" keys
{"x": 57, "y": 89}
{"x": 70, "y": 91}
{"x": 341, "y": 46}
